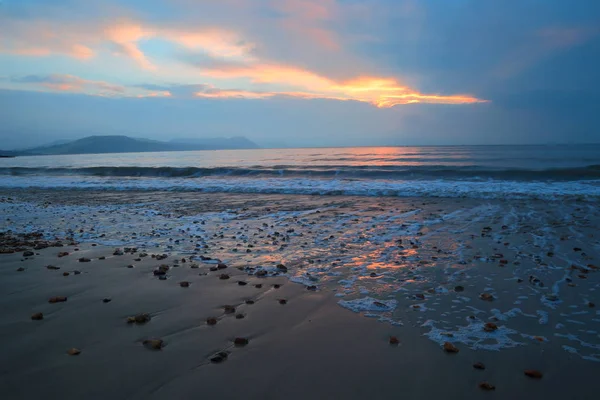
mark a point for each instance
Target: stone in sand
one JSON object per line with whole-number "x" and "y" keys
{"x": 229, "y": 309}
{"x": 130, "y": 266}
{"x": 282, "y": 268}
{"x": 52, "y": 267}
{"x": 242, "y": 283}
{"x": 63, "y": 254}
{"x": 261, "y": 273}
{"x": 153, "y": 344}
{"x": 219, "y": 357}
{"x": 211, "y": 321}
{"x": 450, "y": 348}
{"x": 394, "y": 340}
{"x": 139, "y": 319}
{"x": 221, "y": 266}
{"x": 490, "y": 327}
{"x": 459, "y": 288}
{"x": 486, "y": 297}
{"x": 311, "y": 287}
{"x": 106, "y": 300}
{"x": 276, "y": 286}
{"x": 102, "y": 258}
{"x": 73, "y": 351}
{"x": 478, "y": 366}
{"x": 240, "y": 316}
{"x": 57, "y": 299}
{"x": 240, "y": 341}
{"x": 20, "y": 269}
{"x": 249, "y": 301}
{"x": 28, "y": 253}
{"x": 84, "y": 259}
{"x": 590, "y": 304}
{"x": 161, "y": 270}
{"x": 258, "y": 285}
{"x": 487, "y": 386}
{"x": 282, "y": 301}
{"x": 65, "y": 274}
{"x": 184, "y": 284}
{"x": 533, "y": 373}
{"x": 223, "y": 276}
{"x": 37, "y": 316}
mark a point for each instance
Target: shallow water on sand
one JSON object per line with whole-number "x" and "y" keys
{"x": 418, "y": 262}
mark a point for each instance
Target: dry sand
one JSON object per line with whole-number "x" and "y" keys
{"x": 309, "y": 347}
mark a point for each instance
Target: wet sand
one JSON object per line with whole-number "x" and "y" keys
{"x": 316, "y": 344}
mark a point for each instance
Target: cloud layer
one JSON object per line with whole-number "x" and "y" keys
{"x": 236, "y": 62}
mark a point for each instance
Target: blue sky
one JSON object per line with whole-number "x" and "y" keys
{"x": 301, "y": 72}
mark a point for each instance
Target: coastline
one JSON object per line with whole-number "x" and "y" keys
{"x": 309, "y": 346}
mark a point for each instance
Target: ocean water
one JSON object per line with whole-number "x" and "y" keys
{"x": 550, "y": 172}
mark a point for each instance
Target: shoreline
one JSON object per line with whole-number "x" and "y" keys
{"x": 309, "y": 346}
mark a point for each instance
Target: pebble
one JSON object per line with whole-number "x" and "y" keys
{"x": 240, "y": 341}
{"x": 459, "y": 288}
{"x": 28, "y": 253}
{"x": 487, "y": 386}
{"x": 37, "y": 316}
{"x": 242, "y": 283}
{"x": 57, "y": 299}
{"x": 486, "y": 297}
{"x": 249, "y": 301}
{"x": 20, "y": 269}
{"x": 65, "y": 273}
{"x": 478, "y": 366}
{"x": 532, "y": 373}
{"x": 223, "y": 276}
{"x": 211, "y": 321}
{"x": 450, "y": 348}
{"x": 84, "y": 259}
{"x": 161, "y": 270}
{"x": 139, "y": 319}
{"x": 219, "y": 357}
{"x": 258, "y": 285}
{"x": 52, "y": 267}
{"x": 394, "y": 340}
{"x": 240, "y": 316}
{"x": 106, "y": 300}
{"x": 282, "y": 301}
{"x": 153, "y": 344}
{"x": 282, "y": 268}
{"x": 490, "y": 327}
{"x": 184, "y": 284}
{"x": 73, "y": 351}
{"x": 229, "y": 309}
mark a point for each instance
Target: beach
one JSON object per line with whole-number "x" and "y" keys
{"x": 329, "y": 296}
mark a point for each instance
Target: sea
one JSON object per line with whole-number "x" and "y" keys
{"x": 410, "y": 236}
{"x": 545, "y": 171}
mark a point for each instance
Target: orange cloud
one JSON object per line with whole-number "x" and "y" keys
{"x": 71, "y": 83}
{"x": 126, "y": 36}
{"x": 381, "y": 92}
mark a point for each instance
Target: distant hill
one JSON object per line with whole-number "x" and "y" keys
{"x": 126, "y": 144}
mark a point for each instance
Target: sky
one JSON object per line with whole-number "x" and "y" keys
{"x": 301, "y": 72}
